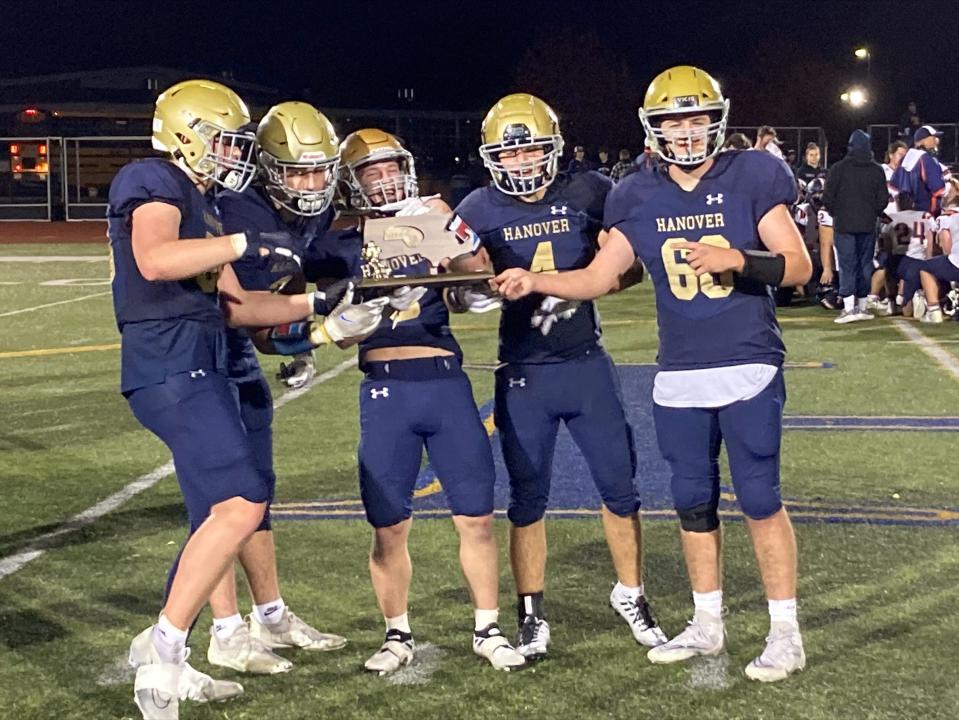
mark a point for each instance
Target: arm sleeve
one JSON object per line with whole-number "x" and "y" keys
{"x": 145, "y": 182}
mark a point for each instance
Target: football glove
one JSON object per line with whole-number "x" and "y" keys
{"x": 324, "y": 301}
{"x": 299, "y": 372}
{"x": 277, "y": 246}
{"x": 551, "y": 311}
{"x": 405, "y": 297}
{"x": 348, "y": 321}
{"x": 478, "y": 298}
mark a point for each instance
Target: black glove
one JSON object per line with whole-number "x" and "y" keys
{"x": 276, "y": 246}
{"x": 332, "y": 295}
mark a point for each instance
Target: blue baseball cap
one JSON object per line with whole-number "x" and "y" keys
{"x": 924, "y": 132}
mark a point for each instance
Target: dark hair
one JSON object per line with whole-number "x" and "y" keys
{"x": 811, "y": 146}
{"x": 737, "y": 141}
{"x": 893, "y": 146}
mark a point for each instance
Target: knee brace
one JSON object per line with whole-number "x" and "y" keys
{"x": 700, "y": 519}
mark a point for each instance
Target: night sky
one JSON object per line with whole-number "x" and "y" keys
{"x": 775, "y": 59}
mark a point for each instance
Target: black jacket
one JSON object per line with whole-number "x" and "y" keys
{"x": 856, "y": 192}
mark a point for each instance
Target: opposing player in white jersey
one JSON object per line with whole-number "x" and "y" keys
{"x": 943, "y": 269}
{"x": 909, "y": 242}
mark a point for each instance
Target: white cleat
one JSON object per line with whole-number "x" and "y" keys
{"x": 291, "y": 632}
{"x": 244, "y": 653}
{"x": 636, "y": 613}
{"x": 396, "y": 652}
{"x": 918, "y": 304}
{"x": 533, "y": 640}
{"x": 490, "y": 644}
{"x": 782, "y": 656}
{"x": 704, "y": 635}
{"x": 932, "y": 316}
{"x": 193, "y": 685}
{"x": 884, "y": 308}
{"x": 155, "y": 687}
{"x": 864, "y": 315}
{"x": 847, "y": 316}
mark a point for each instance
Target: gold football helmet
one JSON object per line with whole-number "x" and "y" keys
{"x": 685, "y": 90}
{"x": 365, "y": 147}
{"x": 199, "y": 123}
{"x": 297, "y": 143}
{"x": 521, "y": 121}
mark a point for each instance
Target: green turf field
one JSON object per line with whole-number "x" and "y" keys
{"x": 878, "y": 601}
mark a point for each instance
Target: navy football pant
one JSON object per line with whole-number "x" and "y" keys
{"x": 908, "y": 271}
{"x": 406, "y": 405}
{"x": 941, "y": 268}
{"x": 531, "y": 400}
{"x": 689, "y": 439}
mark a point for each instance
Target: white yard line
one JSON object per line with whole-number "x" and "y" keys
{"x": 53, "y": 258}
{"x": 58, "y": 302}
{"x": 946, "y": 359}
{"x": 12, "y": 563}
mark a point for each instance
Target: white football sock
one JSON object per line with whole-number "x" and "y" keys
{"x": 269, "y": 613}
{"x": 710, "y": 602}
{"x": 224, "y": 627}
{"x": 872, "y": 298}
{"x": 627, "y": 591}
{"x": 400, "y": 622}
{"x": 169, "y": 641}
{"x": 783, "y": 611}
{"x": 484, "y": 618}
{"x": 849, "y": 303}
{"x": 861, "y": 304}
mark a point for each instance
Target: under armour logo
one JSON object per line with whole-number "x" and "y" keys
{"x": 197, "y": 373}
{"x": 381, "y": 393}
{"x": 517, "y": 382}
{"x": 717, "y": 198}
{"x": 554, "y": 210}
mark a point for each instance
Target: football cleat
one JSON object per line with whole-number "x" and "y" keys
{"x": 636, "y": 613}
{"x": 490, "y": 644}
{"x": 704, "y": 635}
{"x": 884, "y": 308}
{"x": 396, "y": 652}
{"x": 847, "y": 316}
{"x": 782, "y": 656}
{"x": 918, "y": 304}
{"x": 291, "y": 632}
{"x": 155, "y": 689}
{"x": 932, "y": 316}
{"x": 864, "y": 315}
{"x": 533, "y": 640}
{"x": 193, "y": 685}
{"x": 244, "y": 653}
{"x": 299, "y": 372}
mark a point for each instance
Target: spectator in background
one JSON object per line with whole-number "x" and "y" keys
{"x": 894, "y": 155}
{"x": 602, "y": 167}
{"x": 620, "y": 169}
{"x": 737, "y": 141}
{"x": 649, "y": 158}
{"x": 855, "y": 197}
{"x": 909, "y": 123}
{"x": 791, "y": 158}
{"x": 768, "y": 140}
{"x": 579, "y": 163}
{"x": 811, "y": 167}
{"x": 920, "y": 174}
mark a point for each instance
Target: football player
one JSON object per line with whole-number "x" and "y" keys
{"x": 171, "y": 264}
{"x": 909, "y": 240}
{"x": 555, "y": 368}
{"x": 414, "y": 394}
{"x": 715, "y": 233}
{"x": 298, "y": 158}
{"x": 945, "y": 268}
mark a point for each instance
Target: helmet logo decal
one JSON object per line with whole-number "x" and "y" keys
{"x": 517, "y": 132}
{"x": 685, "y": 101}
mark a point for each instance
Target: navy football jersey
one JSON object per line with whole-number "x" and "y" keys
{"x": 425, "y": 324}
{"x": 167, "y": 327}
{"x": 714, "y": 320}
{"x": 557, "y": 232}
{"x": 252, "y": 209}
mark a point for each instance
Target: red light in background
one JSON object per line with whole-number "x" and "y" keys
{"x": 42, "y": 149}
{"x": 31, "y": 111}
{"x": 17, "y": 168}
{"x": 14, "y": 149}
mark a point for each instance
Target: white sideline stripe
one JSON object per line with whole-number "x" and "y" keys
{"x": 58, "y": 302}
{"x": 52, "y": 258}
{"x": 12, "y": 563}
{"x": 946, "y": 359}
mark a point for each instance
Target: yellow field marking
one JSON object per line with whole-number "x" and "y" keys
{"x": 59, "y": 351}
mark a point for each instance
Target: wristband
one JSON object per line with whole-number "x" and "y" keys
{"x": 765, "y": 267}
{"x": 239, "y": 243}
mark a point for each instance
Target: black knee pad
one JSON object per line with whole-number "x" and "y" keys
{"x": 700, "y": 519}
